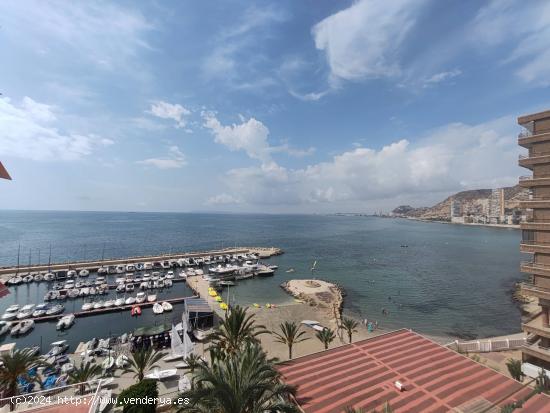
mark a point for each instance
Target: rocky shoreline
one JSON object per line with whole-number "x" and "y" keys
{"x": 324, "y": 295}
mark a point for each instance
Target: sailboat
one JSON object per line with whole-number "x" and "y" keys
{"x": 313, "y": 266}
{"x": 179, "y": 349}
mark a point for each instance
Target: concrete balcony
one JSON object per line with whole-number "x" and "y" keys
{"x": 535, "y": 350}
{"x": 535, "y": 326}
{"x": 528, "y": 161}
{"x": 531, "y": 267}
{"x": 530, "y": 182}
{"x": 535, "y": 226}
{"x": 526, "y": 139}
{"x": 535, "y": 203}
{"x": 530, "y": 247}
{"x": 534, "y": 291}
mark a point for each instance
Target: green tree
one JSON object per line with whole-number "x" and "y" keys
{"x": 290, "y": 334}
{"x": 236, "y": 329}
{"x": 243, "y": 382}
{"x": 326, "y": 336}
{"x": 350, "y": 326}
{"x": 15, "y": 365}
{"x": 514, "y": 368}
{"x": 83, "y": 373}
{"x": 142, "y": 360}
{"x": 145, "y": 390}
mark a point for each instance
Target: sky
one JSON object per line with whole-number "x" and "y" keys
{"x": 311, "y": 106}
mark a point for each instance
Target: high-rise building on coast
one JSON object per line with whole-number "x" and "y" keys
{"x": 535, "y": 137}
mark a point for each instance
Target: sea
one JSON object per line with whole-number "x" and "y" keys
{"x": 443, "y": 280}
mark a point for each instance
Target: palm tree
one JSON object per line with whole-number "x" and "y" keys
{"x": 350, "y": 326}
{"x": 353, "y": 410}
{"x": 237, "y": 329}
{"x": 326, "y": 336}
{"x": 514, "y": 368}
{"x": 84, "y": 373}
{"x": 192, "y": 361}
{"x": 244, "y": 382}
{"x": 143, "y": 360}
{"x": 290, "y": 334}
{"x": 16, "y": 365}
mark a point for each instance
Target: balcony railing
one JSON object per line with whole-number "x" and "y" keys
{"x": 525, "y": 134}
{"x": 526, "y": 178}
{"x": 533, "y": 155}
{"x": 532, "y": 288}
{"x": 535, "y": 265}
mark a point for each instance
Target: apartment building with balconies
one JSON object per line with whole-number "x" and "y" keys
{"x": 535, "y": 137}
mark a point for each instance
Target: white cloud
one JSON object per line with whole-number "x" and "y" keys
{"x": 31, "y": 131}
{"x": 165, "y": 110}
{"x": 250, "y": 136}
{"x": 440, "y": 77}
{"x": 308, "y": 97}
{"x": 102, "y": 33}
{"x": 364, "y": 40}
{"x": 451, "y": 158}
{"x": 174, "y": 160}
{"x": 526, "y": 27}
{"x": 223, "y": 199}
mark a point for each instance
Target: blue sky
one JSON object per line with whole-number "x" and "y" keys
{"x": 286, "y": 106}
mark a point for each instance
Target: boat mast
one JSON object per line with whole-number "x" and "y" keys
{"x": 18, "y": 255}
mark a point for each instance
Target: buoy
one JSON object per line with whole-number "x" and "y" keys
{"x": 256, "y": 305}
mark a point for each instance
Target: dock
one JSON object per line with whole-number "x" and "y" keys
{"x": 99, "y": 311}
{"x": 93, "y": 265}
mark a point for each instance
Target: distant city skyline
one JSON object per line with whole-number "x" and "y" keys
{"x": 306, "y": 107}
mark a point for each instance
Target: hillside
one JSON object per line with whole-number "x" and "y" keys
{"x": 473, "y": 202}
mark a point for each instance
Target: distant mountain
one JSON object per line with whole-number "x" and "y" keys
{"x": 473, "y": 202}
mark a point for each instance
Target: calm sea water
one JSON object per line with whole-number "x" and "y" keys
{"x": 451, "y": 280}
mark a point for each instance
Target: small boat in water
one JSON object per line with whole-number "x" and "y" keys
{"x": 56, "y": 309}
{"x": 87, "y": 306}
{"x": 51, "y": 295}
{"x": 135, "y": 311}
{"x": 120, "y": 288}
{"x": 109, "y": 303}
{"x": 84, "y": 273}
{"x": 130, "y": 300}
{"x": 58, "y": 347}
{"x": 49, "y": 276}
{"x": 71, "y": 273}
{"x": 103, "y": 270}
{"x": 166, "y": 306}
{"x": 40, "y": 310}
{"x": 15, "y": 280}
{"x": 65, "y": 322}
{"x": 98, "y": 305}
{"x": 28, "y": 278}
{"x": 167, "y": 283}
{"x": 108, "y": 363}
{"x": 119, "y": 302}
{"x": 4, "y": 327}
{"x": 170, "y": 274}
{"x": 151, "y": 298}
{"x": 157, "y": 308}
{"x": 22, "y": 328}
{"x": 25, "y": 312}
{"x": 38, "y": 277}
{"x": 141, "y": 297}
{"x": 73, "y": 293}
{"x": 129, "y": 287}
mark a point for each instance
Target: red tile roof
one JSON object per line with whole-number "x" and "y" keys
{"x": 363, "y": 374}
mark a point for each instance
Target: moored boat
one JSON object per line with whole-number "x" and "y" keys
{"x": 65, "y": 322}
{"x": 157, "y": 308}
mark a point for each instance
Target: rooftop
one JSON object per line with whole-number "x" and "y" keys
{"x": 533, "y": 116}
{"x": 436, "y": 378}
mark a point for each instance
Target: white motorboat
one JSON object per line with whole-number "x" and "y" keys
{"x": 130, "y": 300}
{"x": 166, "y": 306}
{"x": 56, "y": 309}
{"x": 100, "y": 280}
{"x": 4, "y": 327}
{"x": 103, "y": 270}
{"x": 98, "y": 305}
{"x": 146, "y": 276}
{"x": 141, "y": 297}
{"x": 130, "y": 267}
{"x": 84, "y": 273}
{"x": 51, "y": 295}
{"x": 58, "y": 347}
{"x": 25, "y": 312}
{"x": 71, "y": 273}
{"x": 65, "y": 322}
{"x": 121, "y": 361}
{"x": 120, "y": 269}
{"x": 10, "y": 315}
{"x": 28, "y": 278}
{"x": 183, "y": 274}
{"x": 120, "y": 288}
{"x": 15, "y": 280}
{"x": 170, "y": 274}
{"x": 158, "y": 374}
{"x": 49, "y": 276}
{"x": 151, "y": 298}
{"x": 22, "y": 328}
{"x": 129, "y": 287}
{"x": 198, "y": 271}
{"x": 167, "y": 283}
{"x": 87, "y": 306}
{"x": 160, "y": 283}
{"x": 191, "y": 272}
{"x": 38, "y": 277}
{"x": 69, "y": 285}
{"x": 73, "y": 293}
{"x": 85, "y": 291}
{"x": 67, "y": 368}
{"x": 144, "y": 285}
{"x": 109, "y": 303}
{"x": 40, "y": 310}
{"x": 147, "y": 266}
{"x": 264, "y": 271}
{"x": 108, "y": 363}
{"x": 119, "y": 302}
{"x": 157, "y": 308}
